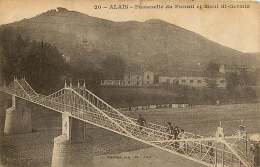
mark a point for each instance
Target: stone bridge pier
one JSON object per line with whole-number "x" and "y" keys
{"x": 73, "y": 148}
{"x": 18, "y": 118}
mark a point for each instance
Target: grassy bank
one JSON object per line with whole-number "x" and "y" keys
{"x": 135, "y": 96}
{"x": 138, "y": 96}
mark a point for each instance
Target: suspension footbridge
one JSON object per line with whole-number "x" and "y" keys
{"x": 79, "y": 103}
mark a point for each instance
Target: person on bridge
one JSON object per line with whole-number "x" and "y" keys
{"x": 242, "y": 131}
{"x": 220, "y": 131}
{"x": 210, "y": 148}
{"x": 141, "y": 121}
{"x": 181, "y": 136}
{"x": 170, "y": 130}
{"x": 176, "y": 132}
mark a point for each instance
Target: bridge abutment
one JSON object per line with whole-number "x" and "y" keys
{"x": 72, "y": 148}
{"x": 18, "y": 118}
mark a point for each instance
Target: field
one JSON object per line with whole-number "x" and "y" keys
{"x": 134, "y": 96}
{"x": 204, "y": 119}
{"x": 200, "y": 120}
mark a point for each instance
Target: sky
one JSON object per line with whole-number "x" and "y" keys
{"x": 235, "y": 28}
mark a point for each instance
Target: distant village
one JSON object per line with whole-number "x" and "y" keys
{"x": 197, "y": 79}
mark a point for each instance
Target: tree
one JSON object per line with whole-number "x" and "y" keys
{"x": 232, "y": 80}
{"x": 82, "y": 70}
{"x": 41, "y": 63}
{"x": 212, "y": 69}
{"x": 1, "y": 65}
{"x": 13, "y": 49}
{"x": 113, "y": 67}
{"x": 211, "y": 72}
{"x": 247, "y": 78}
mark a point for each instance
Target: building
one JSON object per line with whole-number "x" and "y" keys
{"x": 224, "y": 68}
{"x": 112, "y": 82}
{"x": 146, "y": 78}
{"x": 139, "y": 78}
{"x": 184, "y": 80}
{"x": 191, "y": 79}
{"x": 133, "y": 79}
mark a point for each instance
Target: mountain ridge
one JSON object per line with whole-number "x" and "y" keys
{"x": 154, "y": 43}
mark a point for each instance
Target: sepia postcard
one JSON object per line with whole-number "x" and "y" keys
{"x": 129, "y": 83}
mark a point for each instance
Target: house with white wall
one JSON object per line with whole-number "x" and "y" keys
{"x": 191, "y": 79}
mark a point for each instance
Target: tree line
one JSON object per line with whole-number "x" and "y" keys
{"x": 238, "y": 83}
{"x": 45, "y": 67}
{"x": 39, "y": 62}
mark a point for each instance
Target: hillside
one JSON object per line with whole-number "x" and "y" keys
{"x": 257, "y": 55}
{"x": 158, "y": 45}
